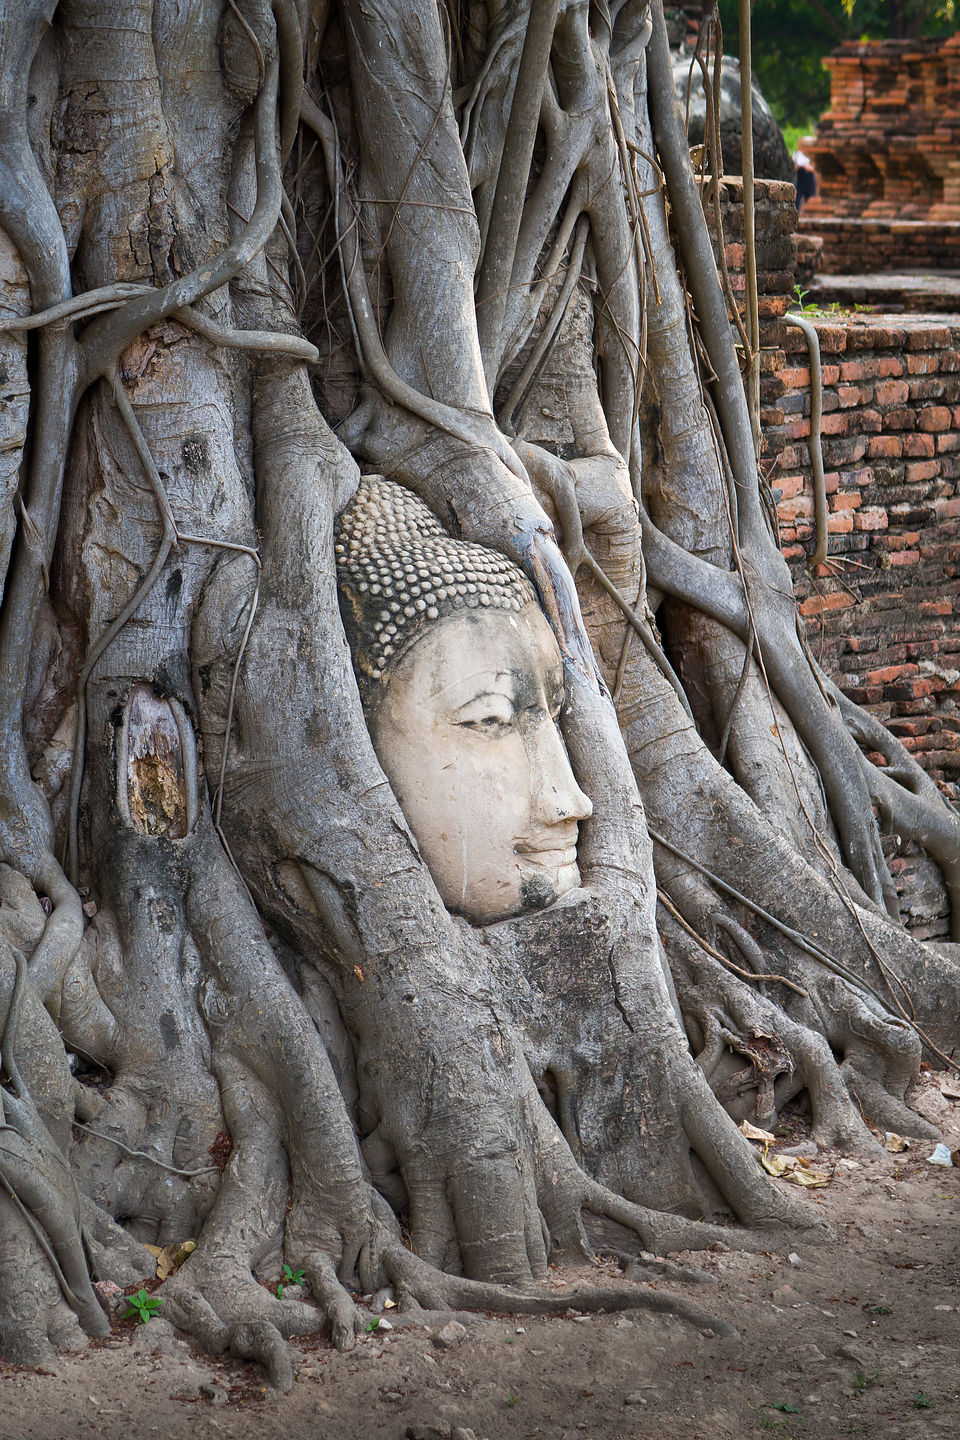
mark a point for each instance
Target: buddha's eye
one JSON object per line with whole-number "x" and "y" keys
{"x": 492, "y": 726}
{"x": 491, "y": 714}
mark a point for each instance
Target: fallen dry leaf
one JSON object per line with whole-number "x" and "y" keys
{"x": 794, "y": 1168}
{"x": 773, "y": 1164}
{"x": 812, "y": 1179}
{"x": 753, "y": 1132}
{"x": 171, "y": 1257}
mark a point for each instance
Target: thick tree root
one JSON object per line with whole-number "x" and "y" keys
{"x": 255, "y": 1326}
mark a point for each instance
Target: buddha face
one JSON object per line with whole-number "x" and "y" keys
{"x": 466, "y": 733}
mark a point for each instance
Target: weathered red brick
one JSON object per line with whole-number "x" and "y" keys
{"x": 791, "y": 457}
{"x": 892, "y": 392}
{"x": 841, "y": 422}
{"x": 915, "y": 689}
{"x": 922, "y": 364}
{"x": 889, "y": 672}
{"x": 885, "y": 365}
{"x": 788, "y": 510}
{"x": 846, "y": 500}
{"x": 935, "y": 417}
{"x": 863, "y": 694}
{"x": 841, "y": 524}
{"x": 904, "y": 557}
{"x": 851, "y": 395}
{"x": 888, "y": 446}
{"x": 934, "y": 337}
{"x": 921, "y": 470}
{"x": 872, "y": 519}
{"x": 818, "y": 604}
{"x": 919, "y": 445}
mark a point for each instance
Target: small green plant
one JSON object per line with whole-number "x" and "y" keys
{"x": 880, "y": 1309}
{"x": 781, "y": 1405}
{"x": 921, "y": 1401}
{"x": 289, "y": 1277}
{"x": 815, "y": 311}
{"x": 142, "y": 1307}
{"x": 867, "y": 1382}
{"x": 511, "y": 1399}
{"x": 766, "y": 1422}
{"x": 373, "y": 1324}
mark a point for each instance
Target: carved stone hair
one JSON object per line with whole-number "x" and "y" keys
{"x": 398, "y": 571}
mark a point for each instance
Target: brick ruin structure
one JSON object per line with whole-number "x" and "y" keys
{"x": 883, "y": 615}
{"x": 887, "y": 155}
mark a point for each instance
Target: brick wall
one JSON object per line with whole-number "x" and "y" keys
{"x": 883, "y": 616}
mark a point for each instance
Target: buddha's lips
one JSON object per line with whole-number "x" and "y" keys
{"x": 549, "y": 857}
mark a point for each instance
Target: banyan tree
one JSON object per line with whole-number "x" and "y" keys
{"x": 424, "y": 830}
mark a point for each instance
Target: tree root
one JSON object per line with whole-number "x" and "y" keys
{"x": 252, "y": 1325}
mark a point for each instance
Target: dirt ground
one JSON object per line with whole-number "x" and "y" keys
{"x": 856, "y": 1337}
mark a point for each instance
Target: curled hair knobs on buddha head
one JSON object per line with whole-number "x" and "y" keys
{"x": 398, "y": 571}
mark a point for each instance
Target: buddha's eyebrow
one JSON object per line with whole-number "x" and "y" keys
{"x": 485, "y": 695}
{"x": 488, "y": 682}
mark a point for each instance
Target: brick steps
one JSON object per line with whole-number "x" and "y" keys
{"x": 887, "y": 156}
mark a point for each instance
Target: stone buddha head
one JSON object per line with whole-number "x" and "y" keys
{"x": 462, "y": 683}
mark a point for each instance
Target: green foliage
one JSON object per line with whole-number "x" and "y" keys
{"x": 289, "y": 1277}
{"x": 511, "y": 1399}
{"x": 791, "y": 37}
{"x": 142, "y": 1307}
{"x": 866, "y": 1382}
{"x": 372, "y": 1325}
{"x": 921, "y": 1401}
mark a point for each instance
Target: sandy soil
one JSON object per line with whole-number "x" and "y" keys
{"x": 857, "y": 1337}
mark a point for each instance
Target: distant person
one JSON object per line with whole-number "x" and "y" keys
{"x": 806, "y": 181}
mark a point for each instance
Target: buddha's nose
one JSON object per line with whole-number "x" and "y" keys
{"x": 555, "y": 793}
